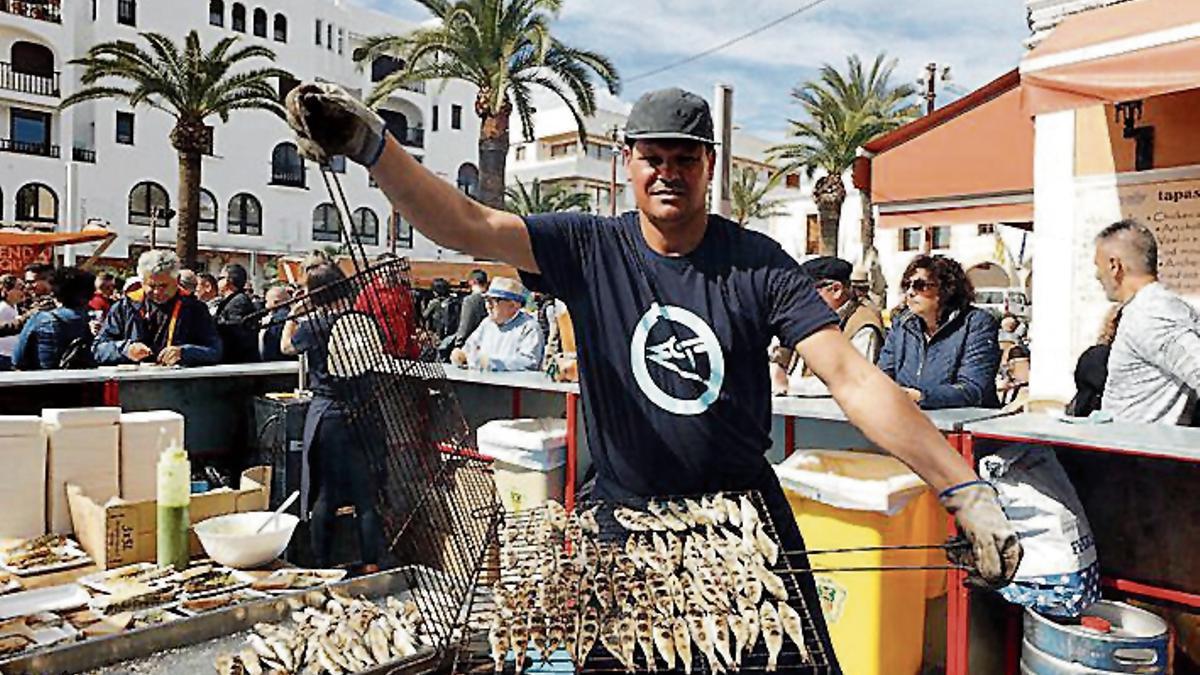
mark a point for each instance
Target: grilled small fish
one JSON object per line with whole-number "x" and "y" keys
{"x": 764, "y": 545}
{"x": 664, "y": 640}
{"x": 556, "y": 634}
{"x": 697, "y": 627}
{"x": 377, "y": 641}
{"x": 772, "y": 634}
{"x": 684, "y": 515}
{"x": 770, "y": 581}
{"x": 250, "y": 661}
{"x": 716, "y": 513}
{"x": 794, "y": 628}
{"x": 498, "y": 639}
{"x": 627, "y": 637}
{"x": 555, "y": 515}
{"x": 587, "y": 521}
{"x": 741, "y": 635}
{"x": 537, "y": 634}
{"x": 664, "y": 515}
{"x": 747, "y": 513}
{"x": 682, "y": 641}
{"x": 645, "y": 637}
{"x": 733, "y": 513}
{"x": 718, "y": 633}
{"x": 228, "y": 664}
{"x": 589, "y": 630}
{"x": 751, "y": 620}
{"x": 518, "y": 638}
{"x": 635, "y": 521}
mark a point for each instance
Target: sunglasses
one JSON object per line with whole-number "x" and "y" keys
{"x": 917, "y": 285}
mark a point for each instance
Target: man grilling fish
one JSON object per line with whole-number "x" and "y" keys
{"x": 673, "y": 308}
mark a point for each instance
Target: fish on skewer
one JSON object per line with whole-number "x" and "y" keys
{"x": 636, "y": 521}
{"x": 645, "y": 637}
{"x": 519, "y": 640}
{"x": 750, "y": 618}
{"x": 733, "y": 513}
{"x": 587, "y": 521}
{"x": 748, "y": 514}
{"x": 764, "y": 545}
{"x": 770, "y": 581}
{"x": 627, "y": 642}
{"x": 718, "y": 633}
{"x": 589, "y": 630}
{"x": 664, "y": 515}
{"x": 682, "y": 641}
{"x": 772, "y": 633}
{"x": 664, "y": 640}
{"x": 741, "y": 636}
{"x": 685, "y": 515}
{"x": 498, "y": 640}
{"x": 697, "y": 626}
{"x": 794, "y": 628}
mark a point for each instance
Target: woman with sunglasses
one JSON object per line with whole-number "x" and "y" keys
{"x": 942, "y": 351}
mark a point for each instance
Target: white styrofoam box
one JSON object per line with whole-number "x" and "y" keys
{"x": 846, "y": 479}
{"x": 528, "y": 433}
{"x": 87, "y": 456}
{"x": 81, "y": 417}
{"x": 23, "y": 456}
{"x": 20, "y": 425}
{"x": 144, "y": 435}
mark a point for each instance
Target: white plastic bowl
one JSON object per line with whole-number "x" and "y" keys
{"x": 230, "y": 539}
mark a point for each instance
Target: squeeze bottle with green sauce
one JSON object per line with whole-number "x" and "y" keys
{"x": 174, "y": 492}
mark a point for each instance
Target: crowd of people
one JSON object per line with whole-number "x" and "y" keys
{"x": 67, "y": 317}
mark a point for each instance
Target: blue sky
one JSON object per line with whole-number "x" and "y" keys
{"x": 979, "y": 40}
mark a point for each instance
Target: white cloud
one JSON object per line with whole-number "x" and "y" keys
{"x": 979, "y": 40}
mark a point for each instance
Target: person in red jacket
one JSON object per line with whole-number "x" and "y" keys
{"x": 390, "y": 301}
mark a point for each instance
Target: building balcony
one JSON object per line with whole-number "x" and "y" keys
{"x": 42, "y": 10}
{"x": 23, "y": 148}
{"x": 28, "y": 83}
{"x": 288, "y": 178}
{"x": 413, "y": 138}
{"x": 83, "y": 155}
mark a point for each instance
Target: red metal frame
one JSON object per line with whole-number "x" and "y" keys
{"x": 958, "y": 597}
{"x": 111, "y": 393}
{"x": 572, "y": 450}
{"x": 789, "y": 435}
{"x": 516, "y": 403}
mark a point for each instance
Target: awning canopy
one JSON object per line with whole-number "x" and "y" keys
{"x": 970, "y": 162}
{"x": 9, "y": 237}
{"x": 1120, "y": 53}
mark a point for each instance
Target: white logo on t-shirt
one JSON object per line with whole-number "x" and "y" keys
{"x": 679, "y": 355}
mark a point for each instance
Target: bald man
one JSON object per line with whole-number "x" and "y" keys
{"x": 1154, "y": 366}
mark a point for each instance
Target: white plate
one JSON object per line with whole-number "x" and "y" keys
{"x": 101, "y": 582}
{"x": 77, "y": 557}
{"x": 51, "y": 599}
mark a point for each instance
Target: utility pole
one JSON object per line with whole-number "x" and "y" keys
{"x": 615, "y": 135}
{"x": 930, "y": 80}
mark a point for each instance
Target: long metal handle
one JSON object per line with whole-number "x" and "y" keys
{"x": 880, "y": 568}
{"x": 898, "y": 547}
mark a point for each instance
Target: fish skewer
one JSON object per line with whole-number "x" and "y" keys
{"x": 772, "y": 633}
{"x": 794, "y": 628}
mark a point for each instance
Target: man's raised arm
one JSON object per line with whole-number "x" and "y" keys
{"x": 329, "y": 121}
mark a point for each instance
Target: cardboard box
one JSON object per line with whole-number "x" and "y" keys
{"x": 23, "y": 456}
{"x": 121, "y": 532}
{"x": 144, "y": 435}
{"x": 84, "y": 449}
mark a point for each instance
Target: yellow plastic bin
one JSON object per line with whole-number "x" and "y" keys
{"x": 852, "y": 500}
{"x": 531, "y": 457}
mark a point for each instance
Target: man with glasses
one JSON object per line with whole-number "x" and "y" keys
{"x": 157, "y": 323}
{"x": 858, "y": 319}
{"x": 508, "y": 339}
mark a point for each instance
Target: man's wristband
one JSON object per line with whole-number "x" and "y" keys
{"x": 373, "y": 158}
{"x": 961, "y": 486}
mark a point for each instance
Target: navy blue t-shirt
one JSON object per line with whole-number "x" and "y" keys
{"x": 673, "y": 350}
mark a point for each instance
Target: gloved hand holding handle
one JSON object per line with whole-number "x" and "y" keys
{"x": 995, "y": 550}
{"x": 329, "y": 121}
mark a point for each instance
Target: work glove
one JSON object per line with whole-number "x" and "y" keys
{"x": 995, "y": 551}
{"x": 329, "y": 121}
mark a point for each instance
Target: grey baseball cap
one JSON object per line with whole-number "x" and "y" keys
{"x": 668, "y": 114}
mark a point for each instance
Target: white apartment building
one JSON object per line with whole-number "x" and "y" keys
{"x": 557, "y": 159}
{"x": 104, "y": 161}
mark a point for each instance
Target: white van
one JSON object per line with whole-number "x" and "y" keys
{"x": 1000, "y": 301}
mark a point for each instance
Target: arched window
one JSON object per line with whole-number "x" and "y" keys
{"x": 468, "y": 179}
{"x": 260, "y": 22}
{"x": 144, "y": 199}
{"x": 238, "y": 20}
{"x": 402, "y": 232}
{"x": 245, "y": 214}
{"x": 32, "y": 59}
{"x": 287, "y": 167}
{"x": 365, "y": 225}
{"x": 397, "y": 124}
{"x": 216, "y": 12}
{"x": 36, "y": 203}
{"x": 280, "y": 28}
{"x": 207, "y": 222}
{"x": 383, "y": 66}
{"x": 326, "y": 220}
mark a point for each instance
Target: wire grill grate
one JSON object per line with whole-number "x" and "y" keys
{"x": 472, "y": 653}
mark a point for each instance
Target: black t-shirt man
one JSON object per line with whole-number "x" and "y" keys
{"x": 677, "y": 397}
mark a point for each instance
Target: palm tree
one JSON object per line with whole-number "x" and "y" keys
{"x": 528, "y": 201}
{"x": 506, "y": 49}
{"x": 190, "y": 85}
{"x": 842, "y": 113}
{"x": 749, "y": 197}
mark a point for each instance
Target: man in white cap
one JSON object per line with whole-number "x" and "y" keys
{"x": 508, "y": 339}
{"x": 673, "y": 309}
